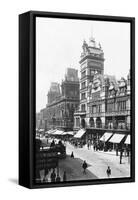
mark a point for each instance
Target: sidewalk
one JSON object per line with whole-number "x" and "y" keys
{"x": 99, "y": 161}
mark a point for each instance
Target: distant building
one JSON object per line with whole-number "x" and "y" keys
{"x": 54, "y": 92}
{"x": 40, "y": 123}
{"x": 62, "y": 102}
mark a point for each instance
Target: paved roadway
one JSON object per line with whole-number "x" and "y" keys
{"x": 74, "y": 170}
{"x": 97, "y": 164}
{"x": 99, "y": 161}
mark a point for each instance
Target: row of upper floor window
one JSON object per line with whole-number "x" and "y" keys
{"x": 108, "y": 124}
{"x": 112, "y": 92}
{"x": 96, "y": 108}
{"x": 90, "y": 72}
{"x": 119, "y": 106}
{"x": 110, "y": 107}
{"x": 97, "y": 95}
{"x": 60, "y": 110}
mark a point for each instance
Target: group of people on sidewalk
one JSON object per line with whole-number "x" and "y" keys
{"x": 56, "y": 177}
{"x": 52, "y": 176}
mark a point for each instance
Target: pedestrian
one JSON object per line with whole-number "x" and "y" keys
{"x": 88, "y": 145}
{"x": 108, "y": 172}
{"x": 76, "y": 144}
{"x": 46, "y": 175}
{"x": 116, "y": 151}
{"x": 127, "y": 151}
{"x": 60, "y": 142}
{"x": 53, "y": 176}
{"x": 72, "y": 155}
{"x": 64, "y": 176}
{"x": 58, "y": 178}
{"x": 42, "y": 175}
{"x": 52, "y": 143}
{"x": 46, "y": 179}
{"x": 84, "y": 166}
{"x": 121, "y": 155}
{"x": 47, "y": 141}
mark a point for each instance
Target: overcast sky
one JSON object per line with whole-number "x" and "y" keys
{"x": 59, "y": 46}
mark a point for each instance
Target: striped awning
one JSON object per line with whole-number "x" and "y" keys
{"x": 68, "y": 133}
{"x": 116, "y": 138}
{"x": 51, "y": 131}
{"x": 127, "y": 141}
{"x": 80, "y": 133}
{"x": 58, "y": 132}
{"x": 106, "y": 136}
{"x": 41, "y": 130}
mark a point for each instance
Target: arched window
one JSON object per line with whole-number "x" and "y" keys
{"x": 98, "y": 123}
{"x": 91, "y": 122}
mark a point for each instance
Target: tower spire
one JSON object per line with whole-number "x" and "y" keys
{"x": 92, "y": 40}
{"x": 92, "y": 32}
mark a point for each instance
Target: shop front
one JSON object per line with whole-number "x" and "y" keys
{"x": 79, "y": 139}
{"x": 105, "y": 145}
{"x": 117, "y": 142}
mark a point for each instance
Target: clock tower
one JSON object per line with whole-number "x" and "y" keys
{"x": 91, "y": 64}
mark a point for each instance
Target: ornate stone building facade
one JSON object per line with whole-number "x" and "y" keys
{"x": 104, "y": 101}
{"x": 91, "y": 63}
{"x": 62, "y": 102}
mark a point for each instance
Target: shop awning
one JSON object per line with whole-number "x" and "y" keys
{"x": 41, "y": 130}
{"x": 58, "y": 132}
{"x": 68, "y": 133}
{"x": 51, "y": 131}
{"x": 122, "y": 84}
{"x": 116, "y": 138}
{"x": 111, "y": 87}
{"x": 106, "y": 136}
{"x": 127, "y": 141}
{"x": 80, "y": 133}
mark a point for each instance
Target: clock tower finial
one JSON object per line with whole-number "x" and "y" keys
{"x": 92, "y": 42}
{"x": 92, "y": 33}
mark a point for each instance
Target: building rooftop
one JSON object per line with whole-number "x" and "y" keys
{"x": 71, "y": 75}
